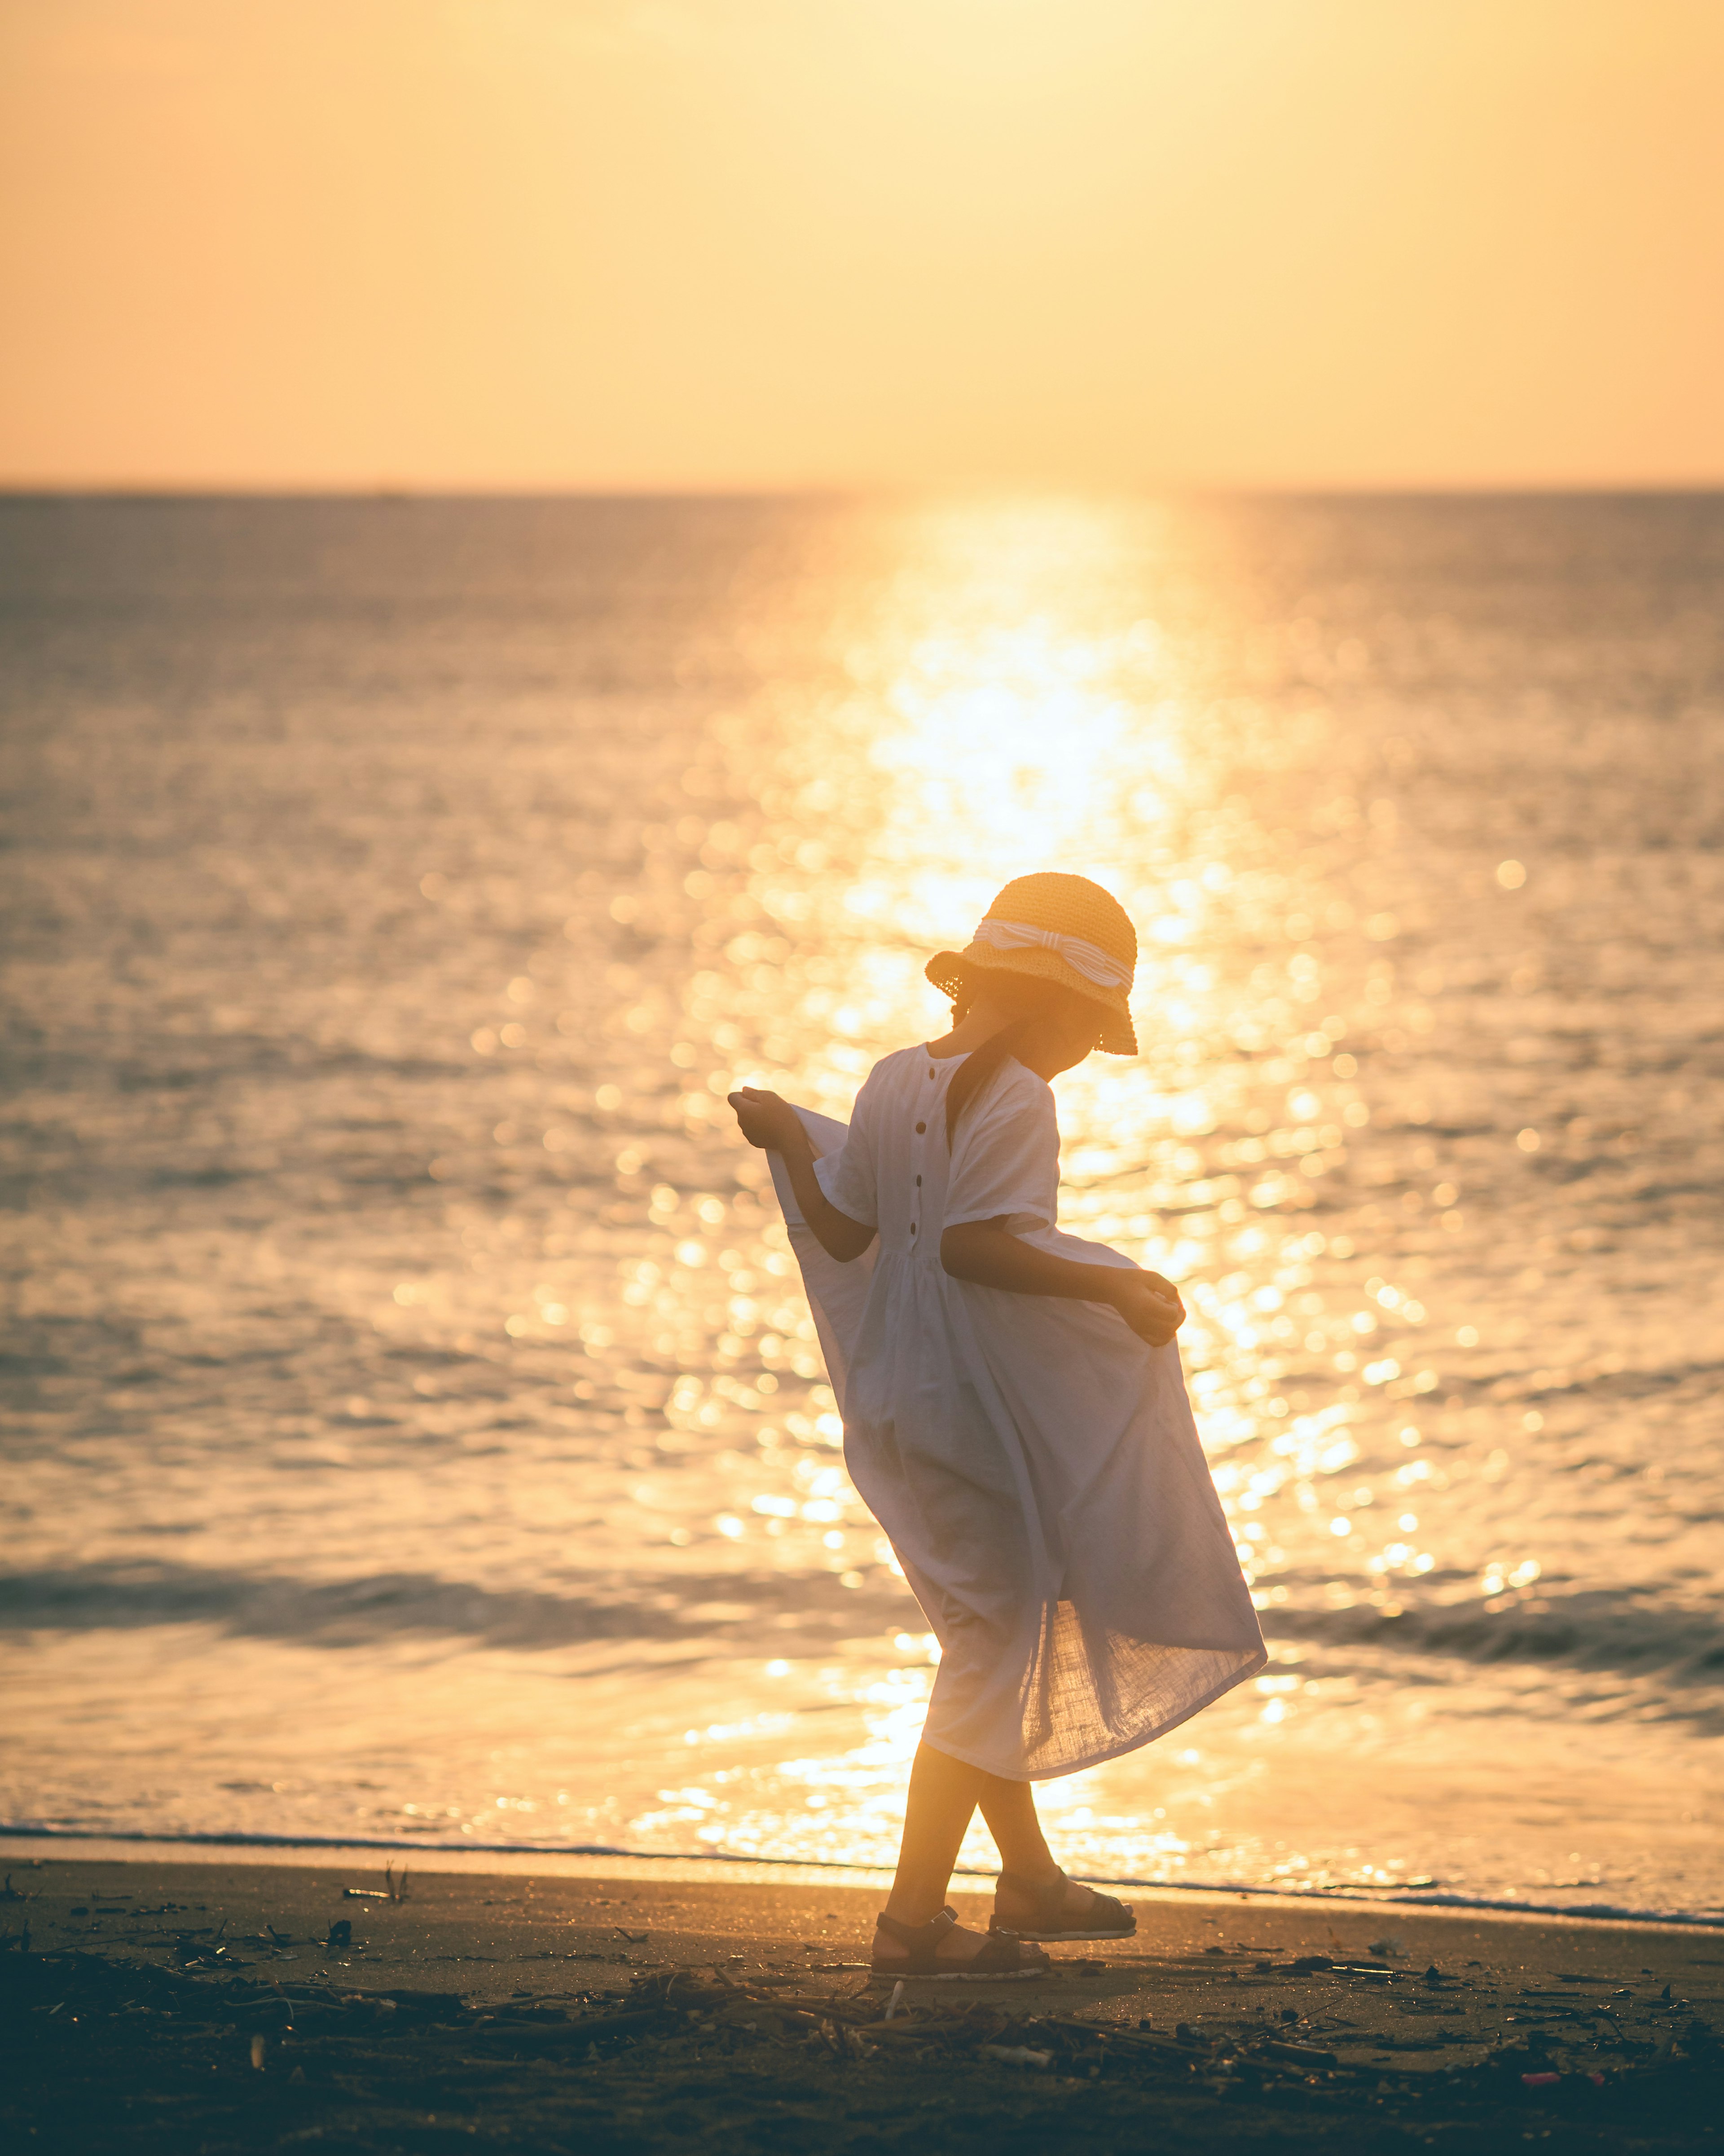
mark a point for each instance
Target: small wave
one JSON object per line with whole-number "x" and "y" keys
{"x": 1599, "y": 1629}
{"x": 1590, "y": 1629}
{"x": 1371, "y": 1897}
{"x": 715, "y": 1607}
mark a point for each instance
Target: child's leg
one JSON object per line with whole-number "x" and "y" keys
{"x": 1020, "y": 1899}
{"x": 943, "y": 1797}
{"x": 1009, "y": 1809}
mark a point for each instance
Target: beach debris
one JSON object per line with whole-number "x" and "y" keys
{"x": 193, "y": 1952}
{"x": 688, "y": 2012}
{"x": 1301, "y": 2054}
{"x": 8, "y": 1892}
{"x": 1254, "y": 2051}
{"x": 1391, "y": 1944}
{"x": 392, "y": 1890}
{"x": 340, "y": 1936}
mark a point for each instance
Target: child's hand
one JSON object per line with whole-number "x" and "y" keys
{"x": 1151, "y": 1305}
{"x": 768, "y": 1119}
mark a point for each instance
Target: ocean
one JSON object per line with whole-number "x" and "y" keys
{"x": 413, "y": 1428}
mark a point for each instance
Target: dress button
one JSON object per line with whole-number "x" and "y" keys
{"x": 919, "y": 1128}
{"x": 912, "y": 1227}
{"x": 918, "y": 1182}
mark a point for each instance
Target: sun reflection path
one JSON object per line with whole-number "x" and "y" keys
{"x": 1018, "y": 706}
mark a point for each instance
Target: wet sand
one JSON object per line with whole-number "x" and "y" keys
{"x": 205, "y": 2005}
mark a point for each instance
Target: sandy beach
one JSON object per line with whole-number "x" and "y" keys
{"x": 209, "y": 2005}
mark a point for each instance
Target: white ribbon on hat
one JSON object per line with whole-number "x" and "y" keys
{"x": 1087, "y": 959}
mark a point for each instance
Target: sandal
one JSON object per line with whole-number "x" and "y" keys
{"x": 1107, "y": 1918}
{"x": 1001, "y": 1959}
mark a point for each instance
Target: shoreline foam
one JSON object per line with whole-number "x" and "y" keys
{"x": 719, "y": 1865}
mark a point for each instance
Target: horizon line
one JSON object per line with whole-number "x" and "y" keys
{"x": 408, "y": 491}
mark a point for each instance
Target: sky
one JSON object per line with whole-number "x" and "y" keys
{"x": 708, "y": 244}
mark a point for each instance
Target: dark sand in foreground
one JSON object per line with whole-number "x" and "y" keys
{"x": 207, "y": 2006}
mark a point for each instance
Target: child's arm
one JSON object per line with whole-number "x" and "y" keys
{"x": 769, "y": 1121}
{"x": 984, "y": 1252}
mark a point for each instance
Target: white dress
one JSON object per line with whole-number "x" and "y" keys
{"x": 1034, "y": 1463}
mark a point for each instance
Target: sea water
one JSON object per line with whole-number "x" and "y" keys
{"x": 414, "y": 1429}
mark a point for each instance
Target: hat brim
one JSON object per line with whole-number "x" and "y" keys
{"x": 951, "y": 972}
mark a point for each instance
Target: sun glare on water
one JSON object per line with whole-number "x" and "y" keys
{"x": 1038, "y": 690}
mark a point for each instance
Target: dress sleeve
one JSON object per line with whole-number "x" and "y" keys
{"x": 848, "y": 1176}
{"x": 1006, "y": 1158}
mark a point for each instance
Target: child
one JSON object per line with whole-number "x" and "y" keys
{"x": 1014, "y": 1417}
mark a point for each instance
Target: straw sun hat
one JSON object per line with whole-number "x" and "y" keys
{"x": 1055, "y": 927}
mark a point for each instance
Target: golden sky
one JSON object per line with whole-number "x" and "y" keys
{"x": 593, "y": 243}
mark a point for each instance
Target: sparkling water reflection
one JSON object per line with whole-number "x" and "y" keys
{"x": 421, "y": 1429}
